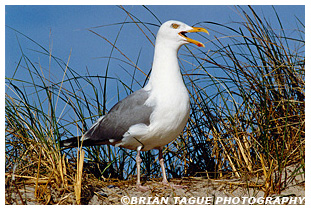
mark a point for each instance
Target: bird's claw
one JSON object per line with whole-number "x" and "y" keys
{"x": 142, "y": 188}
{"x": 174, "y": 186}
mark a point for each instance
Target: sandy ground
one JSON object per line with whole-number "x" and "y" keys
{"x": 198, "y": 191}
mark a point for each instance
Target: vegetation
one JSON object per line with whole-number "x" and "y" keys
{"x": 247, "y": 119}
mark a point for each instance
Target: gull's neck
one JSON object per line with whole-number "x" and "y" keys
{"x": 165, "y": 69}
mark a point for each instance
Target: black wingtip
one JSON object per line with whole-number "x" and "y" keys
{"x": 71, "y": 142}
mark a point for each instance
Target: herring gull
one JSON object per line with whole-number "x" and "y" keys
{"x": 155, "y": 115}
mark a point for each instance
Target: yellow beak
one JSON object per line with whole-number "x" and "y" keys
{"x": 194, "y": 29}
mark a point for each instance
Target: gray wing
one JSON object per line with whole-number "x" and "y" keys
{"x": 127, "y": 112}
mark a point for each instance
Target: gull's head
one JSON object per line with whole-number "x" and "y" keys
{"x": 174, "y": 32}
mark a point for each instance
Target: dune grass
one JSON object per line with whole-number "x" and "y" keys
{"x": 247, "y": 113}
{"x": 256, "y": 117}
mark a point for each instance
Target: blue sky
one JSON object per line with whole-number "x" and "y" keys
{"x": 67, "y": 23}
{"x": 63, "y": 30}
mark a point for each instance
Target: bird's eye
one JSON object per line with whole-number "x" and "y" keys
{"x": 175, "y": 25}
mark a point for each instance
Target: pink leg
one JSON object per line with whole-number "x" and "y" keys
{"x": 165, "y": 182}
{"x": 138, "y": 162}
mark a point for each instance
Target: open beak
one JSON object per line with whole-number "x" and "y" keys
{"x": 194, "y": 29}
